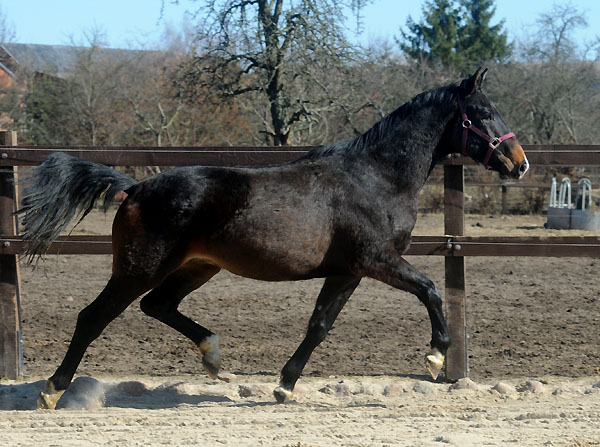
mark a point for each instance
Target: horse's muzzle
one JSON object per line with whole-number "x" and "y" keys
{"x": 513, "y": 171}
{"x": 515, "y": 162}
{"x": 521, "y": 169}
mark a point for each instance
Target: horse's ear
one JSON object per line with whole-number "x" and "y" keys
{"x": 482, "y": 78}
{"x": 469, "y": 85}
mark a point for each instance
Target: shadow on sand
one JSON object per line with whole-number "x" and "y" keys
{"x": 89, "y": 393}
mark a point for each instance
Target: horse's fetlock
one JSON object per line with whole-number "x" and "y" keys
{"x": 211, "y": 359}
{"x": 442, "y": 342}
{"x": 55, "y": 384}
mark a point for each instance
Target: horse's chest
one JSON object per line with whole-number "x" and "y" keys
{"x": 399, "y": 228}
{"x": 400, "y": 219}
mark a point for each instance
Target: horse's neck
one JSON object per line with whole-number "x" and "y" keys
{"x": 411, "y": 149}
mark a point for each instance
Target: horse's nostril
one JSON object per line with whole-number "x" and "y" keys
{"x": 523, "y": 167}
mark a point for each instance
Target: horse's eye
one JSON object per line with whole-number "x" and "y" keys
{"x": 484, "y": 114}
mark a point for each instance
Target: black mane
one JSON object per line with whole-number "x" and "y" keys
{"x": 439, "y": 96}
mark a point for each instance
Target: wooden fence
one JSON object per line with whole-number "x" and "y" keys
{"x": 453, "y": 245}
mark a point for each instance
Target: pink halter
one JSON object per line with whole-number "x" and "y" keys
{"x": 467, "y": 125}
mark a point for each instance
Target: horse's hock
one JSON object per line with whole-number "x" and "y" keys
{"x": 564, "y": 215}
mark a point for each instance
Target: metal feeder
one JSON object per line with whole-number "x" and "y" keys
{"x": 562, "y": 215}
{"x": 559, "y": 208}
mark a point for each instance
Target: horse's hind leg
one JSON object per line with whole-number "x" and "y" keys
{"x": 331, "y": 300}
{"x": 162, "y": 302}
{"x": 91, "y": 321}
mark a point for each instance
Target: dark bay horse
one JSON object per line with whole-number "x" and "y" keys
{"x": 342, "y": 212}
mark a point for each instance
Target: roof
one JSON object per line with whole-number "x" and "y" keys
{"x": 57, "y": 60}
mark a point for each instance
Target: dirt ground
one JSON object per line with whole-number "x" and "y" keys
{"x": 526, "y": 317}
{"x": 534, "y": 339}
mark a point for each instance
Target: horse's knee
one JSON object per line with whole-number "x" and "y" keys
{"x": 435, "y": 298}
{"x": 430, "y": 296}
{"x": 317, "y": 331}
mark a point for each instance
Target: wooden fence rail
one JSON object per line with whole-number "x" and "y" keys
{"x": 453, "y": 245}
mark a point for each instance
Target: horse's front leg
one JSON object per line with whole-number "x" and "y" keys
{"x": 331, "y": 300}
{"x": 398, "y": 273}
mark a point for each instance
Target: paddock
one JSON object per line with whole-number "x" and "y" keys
{"x": 452, "y": 244}
{"x": 365, "y": 386}
{"x": 528, "y": 319}
{"x": 526, "y": 316}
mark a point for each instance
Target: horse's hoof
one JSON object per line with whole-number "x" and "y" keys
{"x": 434, "y": 361}
{"x": 281, "y": 394}
{"x": 211, "y": 360}
{"x": 210, "y": 369}
{"x": 48, "y": 401}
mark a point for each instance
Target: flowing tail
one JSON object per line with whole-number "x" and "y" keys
{"x": 59, "y": 189}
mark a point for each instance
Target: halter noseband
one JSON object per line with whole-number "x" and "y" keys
{"x": 467, "y": 125}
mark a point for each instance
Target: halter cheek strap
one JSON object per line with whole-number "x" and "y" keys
{"x": 468, "y": 125}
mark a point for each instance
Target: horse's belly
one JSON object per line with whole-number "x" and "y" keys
{"x": 257, "y": 267}
{"x": 268, "y": 258}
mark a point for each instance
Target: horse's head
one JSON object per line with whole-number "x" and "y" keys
{"x": 482, "y": 134}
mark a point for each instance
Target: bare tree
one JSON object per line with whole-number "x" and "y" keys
{"x": 276, "y": 51}
{"x": 558, "y": 95}
{"x": 93, "y": 86}
{"x": 146, "y": 88}
{"x": 7, "y": 30}
{"x": 163, "y": 115}
{"x": 554, "y": 37}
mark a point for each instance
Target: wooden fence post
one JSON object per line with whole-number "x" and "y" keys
{"x": 11, "y": 346}
{"x": 457, "y": 363}
{"x": 504, "y": 200}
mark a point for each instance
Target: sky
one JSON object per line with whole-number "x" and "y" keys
{"x": 123, "y": 22}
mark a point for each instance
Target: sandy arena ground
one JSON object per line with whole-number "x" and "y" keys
{"x": 340, "y": 411}
{"x": 534, "y": 359}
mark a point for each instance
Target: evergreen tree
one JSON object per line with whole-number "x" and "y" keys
{"x": 456, "y": 33}
{"x": 478, "y": 40}
{"x": 436, "y": 37}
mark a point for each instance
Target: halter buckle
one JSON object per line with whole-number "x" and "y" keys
{"x": 495, "y": 143}
{"x": 467, "y": 123}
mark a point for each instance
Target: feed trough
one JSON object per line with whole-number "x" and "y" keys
{"x": 564, "y": 215}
